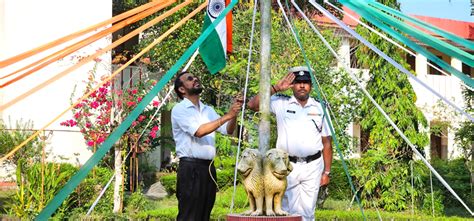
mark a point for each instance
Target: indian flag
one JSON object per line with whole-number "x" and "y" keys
{"x": 213, "y": 49}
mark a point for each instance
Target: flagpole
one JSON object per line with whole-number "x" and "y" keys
{"x": 264, "y": 106}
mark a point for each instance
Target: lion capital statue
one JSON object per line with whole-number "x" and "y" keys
{"x": 264, "y": 180}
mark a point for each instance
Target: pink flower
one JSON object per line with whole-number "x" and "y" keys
{"x": 77, "y": 115}
{"x": 72, "y": 123}
{"x": 88, "y": 125}
{"x": 78, "y": 106}
{"x": 141, "y": 118}
{"x": 130, "y": 103}
{"x": 140, "y": 99}
{"x": 94, "y": 105}
{"x": 103, "y": 90}
{"x": 134, "y": 91}
{"x": 155, "y": 128}
{"x": 153, "y": 134}
{"x": 134, "y": 123}
{"x": 100, "y": 140}
{"x": 156, "y": 103}
{"x": 90, "y": 143}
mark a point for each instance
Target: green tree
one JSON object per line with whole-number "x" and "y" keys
{"x": 465, "y": 135}
{"x": 13, "y": 135}
{"x": 384, "y": 174}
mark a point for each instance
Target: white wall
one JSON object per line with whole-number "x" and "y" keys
{"x": 448, "y": 86}
{"x": 27, "y": 24}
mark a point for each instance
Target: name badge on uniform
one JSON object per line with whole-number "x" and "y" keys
{"x": 290, "y": 111}
{"x": 314, "y": 114}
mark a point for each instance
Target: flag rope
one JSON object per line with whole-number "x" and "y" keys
{"x": 243, "y": 105}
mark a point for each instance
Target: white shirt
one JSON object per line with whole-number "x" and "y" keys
{"x": 299, "y": 128}
{"x": 186, "y": 119}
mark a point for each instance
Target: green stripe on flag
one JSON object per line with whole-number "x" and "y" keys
{"x": 117, "y": 133}
{"x": 211, "y": 50}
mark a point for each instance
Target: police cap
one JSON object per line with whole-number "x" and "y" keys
{"x": 301, "y": 73}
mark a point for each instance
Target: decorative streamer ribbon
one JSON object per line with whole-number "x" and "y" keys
{"x": 340, "y": 23}
{"x": 426, "y": 38}
{"x": 158, "y": 40}
{"x": 117, "y": 133}
{"x": 39, "y": 64}
{"x": 394, "y": 63}
{"x": 95, "y": 55}
{"x": 454, "y": 38}
{"x": 467, "y": 80}
{"x": 67, "y": 38}
{"x": 406, "y": 41}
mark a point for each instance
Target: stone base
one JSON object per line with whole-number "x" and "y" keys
{"x": 237, "y": 217}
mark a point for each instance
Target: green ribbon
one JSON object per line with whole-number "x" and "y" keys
{"x": 454, "y": 38}
{"x": 423, "y": 37}
{"x": 361, "y": 11}
{"x": 117, "y": 133}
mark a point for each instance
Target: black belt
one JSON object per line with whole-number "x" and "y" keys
{"x": 305, "y": 159}
{"x": 195, "y": 160}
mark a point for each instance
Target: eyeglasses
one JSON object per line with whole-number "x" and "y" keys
{"x": 190, "y": 78}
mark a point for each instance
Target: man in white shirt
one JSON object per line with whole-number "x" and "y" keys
{"x": 193, "y": 126}
{"x": 304, "y": 134}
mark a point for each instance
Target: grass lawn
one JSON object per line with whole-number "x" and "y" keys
{"x": 333, "y": 210}
{"x": 5, "y": 199}
{"x": 167, "y": 209}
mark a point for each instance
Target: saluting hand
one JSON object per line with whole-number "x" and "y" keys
{"x": 286, "y": 82}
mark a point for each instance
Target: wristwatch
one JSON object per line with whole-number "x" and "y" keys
{"x": 328, "y": 173}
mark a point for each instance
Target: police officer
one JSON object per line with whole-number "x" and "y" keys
{"x": 304, "y": 134}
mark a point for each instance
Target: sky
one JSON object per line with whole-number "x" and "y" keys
{"x": 451, "y": 9}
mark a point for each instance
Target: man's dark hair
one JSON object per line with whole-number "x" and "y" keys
{"x": 178, "y": 83}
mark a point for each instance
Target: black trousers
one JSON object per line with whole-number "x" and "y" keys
{"x": 195, "y": 190}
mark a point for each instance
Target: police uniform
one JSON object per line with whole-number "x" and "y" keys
{"x": 299, "y": 133}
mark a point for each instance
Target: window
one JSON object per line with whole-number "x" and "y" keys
{"x": 411, "y": 60}
{"x": 438, "y": 141}
{"x": 432, "y": 70}
{"x": 466, "y": 69}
